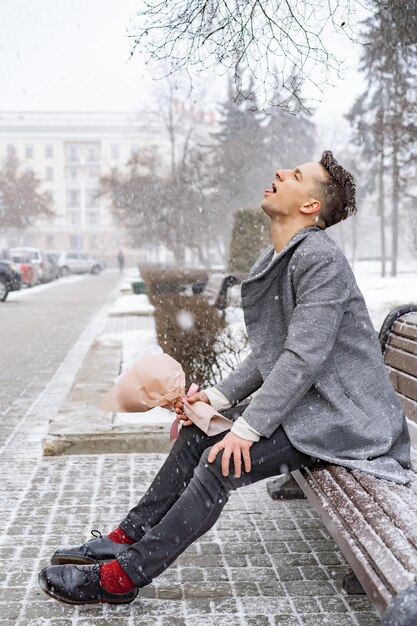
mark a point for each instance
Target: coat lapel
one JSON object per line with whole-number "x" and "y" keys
{"x": 267, "y": 259}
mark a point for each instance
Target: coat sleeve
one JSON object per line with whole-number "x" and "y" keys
{"x": 242, "y": 382}
{"x": 322, "y": 289}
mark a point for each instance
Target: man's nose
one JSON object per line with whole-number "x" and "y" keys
{"x": 281, "y": 174}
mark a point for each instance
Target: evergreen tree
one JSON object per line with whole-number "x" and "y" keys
{"x": 238, "y": 157}
{"x": 250, "y": 234}
{"x": 384, "y": 117}
{"x": 290, "y": 137}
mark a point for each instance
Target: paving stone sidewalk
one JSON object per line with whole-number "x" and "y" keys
{"x": 265, "y": 562}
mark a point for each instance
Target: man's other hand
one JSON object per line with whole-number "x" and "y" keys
{"x": 179, "y": 410}
{"x": 235, "y": 447}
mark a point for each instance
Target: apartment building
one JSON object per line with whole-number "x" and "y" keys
{"x": 69, "y": 151}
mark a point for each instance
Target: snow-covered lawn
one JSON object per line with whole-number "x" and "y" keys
{"x": 383, "y": 294}
{"x": 131, "y": 304}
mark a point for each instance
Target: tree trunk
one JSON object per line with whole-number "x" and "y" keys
{"x": 381, "y": 206}
{"x": 395, "y": 172}
{"x": 395, "y": 198}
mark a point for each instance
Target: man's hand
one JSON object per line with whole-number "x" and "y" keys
{"x": 233, "y": 446}
{"x": 199, "y": 396}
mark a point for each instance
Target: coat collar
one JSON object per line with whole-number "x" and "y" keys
{"x": 267, "y": 259}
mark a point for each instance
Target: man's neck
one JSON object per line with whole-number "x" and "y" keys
{"x": 282, "y": 233}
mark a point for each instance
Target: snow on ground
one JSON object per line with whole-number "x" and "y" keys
{"x": 382, "y": 294}
{"x": 15, "y": 296}
{"x": 132, "y": 304}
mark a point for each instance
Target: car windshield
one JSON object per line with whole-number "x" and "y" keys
{"x": 24, "y": 255}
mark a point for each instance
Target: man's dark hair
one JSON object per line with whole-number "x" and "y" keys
{"x": 337, "y": 192}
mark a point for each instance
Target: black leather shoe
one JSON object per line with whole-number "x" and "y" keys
{"x": 80, "y": 584}
{"x": 97, "y": 550}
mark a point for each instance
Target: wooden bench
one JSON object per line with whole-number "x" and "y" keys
{"x": 215, "y": 288}
{"x": 374, "y": 521}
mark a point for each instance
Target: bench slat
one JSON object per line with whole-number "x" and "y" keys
{"x": 403, "y": 343}
{"x": 407, "y": 385}
{"x": 403, "y": 361}
{"x": 403, "y": 513}
{"x": 409, "y": 406}
{"x": 377, "y": 518}
{"x": 390, "y": 570}
{"x": 368, "y": 578}
{"x": 410, "y": 318}
{"x": 404, "y": 329}
{"x": 403, "y": 383}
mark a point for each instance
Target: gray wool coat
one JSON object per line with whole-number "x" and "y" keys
{"x": 316, "y": 361}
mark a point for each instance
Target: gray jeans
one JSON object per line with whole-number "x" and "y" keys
{"x": 188, "y": 494}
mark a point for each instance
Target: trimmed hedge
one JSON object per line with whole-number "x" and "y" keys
{"x": 188, "y": 328}
{"x": 250, "y": 234}
{"x": 169, "y": 280}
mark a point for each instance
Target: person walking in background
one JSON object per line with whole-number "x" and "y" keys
{"x": 120, "y": 260}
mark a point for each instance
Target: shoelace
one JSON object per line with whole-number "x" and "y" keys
{"x": 96, "y": 534}
{"x": 89, "y": 572}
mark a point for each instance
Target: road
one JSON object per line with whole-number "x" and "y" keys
{"x": 38, "y": 327}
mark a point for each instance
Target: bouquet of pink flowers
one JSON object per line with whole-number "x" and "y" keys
{"x": 156, "y": 379}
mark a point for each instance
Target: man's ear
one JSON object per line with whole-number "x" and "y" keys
{"x": 310, "y": 206}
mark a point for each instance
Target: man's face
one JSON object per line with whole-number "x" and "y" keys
{"x": 292, "y": 190}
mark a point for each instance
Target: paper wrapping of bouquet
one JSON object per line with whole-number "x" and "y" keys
{"x": 156, "y": 379}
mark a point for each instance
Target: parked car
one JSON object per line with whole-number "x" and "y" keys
{"x": 10, "y": 279}
{"x": 78, "y": 263}
{"x": 38, "y": 258}
{"x": 27, "y": 270}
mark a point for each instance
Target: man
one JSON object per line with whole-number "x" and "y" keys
{"x": 120, "y": 260}
{"x": 322, "y": 393}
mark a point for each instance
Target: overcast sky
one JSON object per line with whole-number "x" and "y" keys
{"x": 73, "y": 55}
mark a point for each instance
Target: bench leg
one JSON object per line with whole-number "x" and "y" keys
{"x": 285, "y": 487}
{"x": 352, "y": 585}
{"x": 403, "y": 610}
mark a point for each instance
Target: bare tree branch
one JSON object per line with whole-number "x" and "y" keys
{"x": 270, "y": 40}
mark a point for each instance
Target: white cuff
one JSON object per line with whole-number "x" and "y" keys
{"x": 242, "y": 429}
{"x": 217, "y": 400}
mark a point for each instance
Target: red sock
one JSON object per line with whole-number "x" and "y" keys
{"x": 119, "y": 536}
{"x": 114, "y": 579}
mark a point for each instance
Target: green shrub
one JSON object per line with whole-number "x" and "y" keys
{"x": 168, "y": 280}
{"x": 188, "y": 329}
{"x": 250, "y": 234}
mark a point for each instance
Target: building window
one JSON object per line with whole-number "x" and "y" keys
{"x": 93, "y": 218}
{"x": 92, "y": 154}
{"x": 74, "y": 218}
{"x": 76, "y": 242}
{"x": 11, "y": 151}
{"x": 114, "y": 151}
{"x": 49, "y": 174}
{"x": 135, "y": 148}
{"x": 50, "y": 242}
{"x": 73, "y": 198}
{"x": 93, "y": 172}
{"x": 72, "y": 153}
{"x": 93, "y": 242}
{"x": 72, "y": 173}
{"x": 29, "y": 151}
{"x": 49, "y": 151}
{"x": 91, "y": 198}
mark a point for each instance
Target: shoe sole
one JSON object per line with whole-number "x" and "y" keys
{"x": 55, "y": 596}
{"x": 76, "y": 560}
